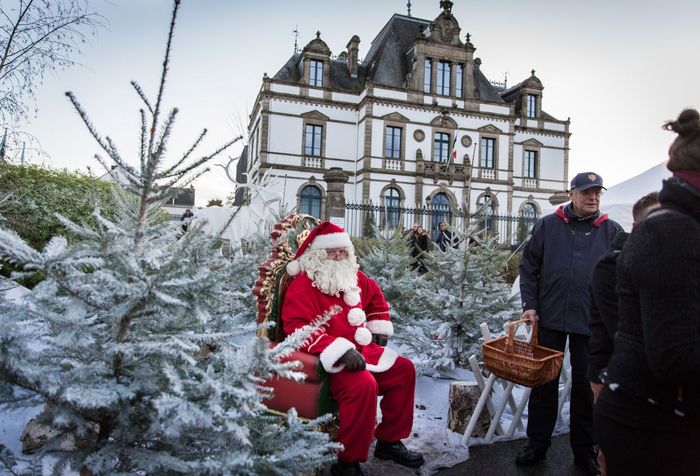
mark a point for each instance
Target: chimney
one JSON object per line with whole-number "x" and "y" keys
{"x": 353, "y": 48}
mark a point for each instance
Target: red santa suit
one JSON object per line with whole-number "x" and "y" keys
{"x": 363, "y": 312}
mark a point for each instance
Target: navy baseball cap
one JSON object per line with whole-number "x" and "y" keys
{"x": 586, "y": 180}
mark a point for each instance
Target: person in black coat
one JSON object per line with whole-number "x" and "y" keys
{"x": 647, "y": 417}
{"x": 420, "y": 245}
{"x": 604, "y": 303}
{"x": 446, "y": 238}
{"x": 604, "y": 308}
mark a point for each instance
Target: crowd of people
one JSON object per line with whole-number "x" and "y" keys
{"x": 629, "y": 305}
{"x": 419, "y": 242}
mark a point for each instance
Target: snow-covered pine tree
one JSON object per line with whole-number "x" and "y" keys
{"x": 469, "y": 289}
{"x": 118, "y": 337}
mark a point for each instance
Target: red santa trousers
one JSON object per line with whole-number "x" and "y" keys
{"x": 356, "y": 394}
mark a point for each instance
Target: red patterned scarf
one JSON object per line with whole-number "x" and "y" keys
{"x": 692, "y": 177}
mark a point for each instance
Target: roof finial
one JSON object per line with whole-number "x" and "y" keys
{"x": 468, "y": 37}
{"x": 533, "y": 72}
{"x": 296, "y": 37}
{"x": 408, "y": 5}
{"x": 318, "y": 34}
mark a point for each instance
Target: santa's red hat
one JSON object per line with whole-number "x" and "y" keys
{"x": 324, "y": 236}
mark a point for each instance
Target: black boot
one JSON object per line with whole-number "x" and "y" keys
{"x": 530, "y": 456}
{"x": 346, "y": 469}
{"x": 588, "y": 462}
{"x": 398, "y": 453}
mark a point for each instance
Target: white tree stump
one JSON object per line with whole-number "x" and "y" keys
{"x": 464, "y": 395}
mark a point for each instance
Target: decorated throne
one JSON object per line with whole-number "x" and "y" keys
{"x": 311, "y": 397}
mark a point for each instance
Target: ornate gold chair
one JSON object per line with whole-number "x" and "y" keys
{"x": 311, "y": 398}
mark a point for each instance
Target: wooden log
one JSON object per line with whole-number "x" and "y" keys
{"x": 464, "y": 395}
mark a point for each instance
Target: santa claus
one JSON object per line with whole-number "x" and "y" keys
{"x": 351, "y": 347}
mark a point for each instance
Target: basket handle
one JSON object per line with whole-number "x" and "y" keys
{"x": 511, "y": 334}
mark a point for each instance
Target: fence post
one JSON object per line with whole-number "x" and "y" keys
{"x": 335, "y": 180}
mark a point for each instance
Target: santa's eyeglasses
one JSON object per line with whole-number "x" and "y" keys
{"x": 336, "y": 252}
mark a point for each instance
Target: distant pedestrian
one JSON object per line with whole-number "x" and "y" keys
{"x": 419, "y": 246}
{"x": 186, "y": 219}
{"x": 647, "y": 417}
{"x": 555, "y": 269}
{"x": 409, "y": 233}
{"x": 446, "y": 238}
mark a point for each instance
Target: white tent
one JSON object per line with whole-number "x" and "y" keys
{"x": 256, "y": 219}
{"x": 617, "y": 201}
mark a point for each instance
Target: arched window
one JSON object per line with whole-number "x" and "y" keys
{"x": 442, "y": 212}
{"x": 310, "y": 201}
{"x": 486, "y": 207}
{"x": 392, "y": 207}
{"x": 528, "y": 216}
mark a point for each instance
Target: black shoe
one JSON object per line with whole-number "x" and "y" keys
{"x": 398, "y": 453}
{"x": 587, "y": 463}
{"x": 346, "y": 469}
{"x": 530, "y": 456}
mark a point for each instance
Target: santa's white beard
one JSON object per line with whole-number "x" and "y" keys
{"x": 329, "y": 276}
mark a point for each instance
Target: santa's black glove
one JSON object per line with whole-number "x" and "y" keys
{"x": 353, "y": 360}
{"x": 380, "y": 339}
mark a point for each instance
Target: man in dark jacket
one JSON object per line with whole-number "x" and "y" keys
{"x": 445, "y": 238}
{"x": 555, "y": 269}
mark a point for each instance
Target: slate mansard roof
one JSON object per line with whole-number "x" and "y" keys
{"x": 387, "y": 62}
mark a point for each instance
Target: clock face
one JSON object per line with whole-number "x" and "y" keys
{"x": 419, "y": 135}
{"x": 466, "y": 141}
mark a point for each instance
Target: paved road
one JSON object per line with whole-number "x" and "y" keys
{"x": 498, "y": 459}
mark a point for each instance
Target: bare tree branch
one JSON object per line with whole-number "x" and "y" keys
{"x": 37, "y": 37}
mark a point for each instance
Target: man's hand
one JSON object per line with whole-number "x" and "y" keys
{"x": 353, "y": 360}
{"x": 596, "y": 388}
{"x": 531, "y": 315}
{"x": 380, "y": 339}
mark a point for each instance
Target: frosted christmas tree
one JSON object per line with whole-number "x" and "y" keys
{"x": 437, "y": 314}
{"x": 131, "y": 337}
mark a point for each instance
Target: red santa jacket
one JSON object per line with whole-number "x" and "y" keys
{"x": 361, "y": 314}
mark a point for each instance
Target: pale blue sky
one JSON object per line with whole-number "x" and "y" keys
{"x": 618, "y": 69}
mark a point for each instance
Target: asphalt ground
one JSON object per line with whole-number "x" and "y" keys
{"x": 498, "y": 459}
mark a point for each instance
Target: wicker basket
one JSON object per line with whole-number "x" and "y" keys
{"x": 524, "y": 363}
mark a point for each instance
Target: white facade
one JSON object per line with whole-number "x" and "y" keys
{"x": 302, "y": 126}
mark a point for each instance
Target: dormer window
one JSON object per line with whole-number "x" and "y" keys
{"x": 428, "y": 76}
{"x": 316, "y": 73}
{"x": 443, "y": 78}
{"x": 531, "y": 106}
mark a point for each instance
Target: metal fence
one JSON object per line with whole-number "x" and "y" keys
{"x": 364, "y": 219}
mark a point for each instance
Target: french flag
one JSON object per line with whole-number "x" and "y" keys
{"x": 453, "y": 155}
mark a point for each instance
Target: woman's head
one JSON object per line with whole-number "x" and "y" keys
{"x": 684, "y": 153}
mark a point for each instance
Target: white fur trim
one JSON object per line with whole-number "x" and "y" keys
{"x": 351, "y": 298}
{"x": 293, "y": 268}
{"x": 356, "y": 317}
{"x": 332, "y": 240}
{"x": 386, "y": 361}
{"x": 363, "y": 336}
{"x": 333, "y": 352}
{"x": 380, "y": 326}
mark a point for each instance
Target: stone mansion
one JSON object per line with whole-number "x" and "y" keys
{"x": 415, "y": 124}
